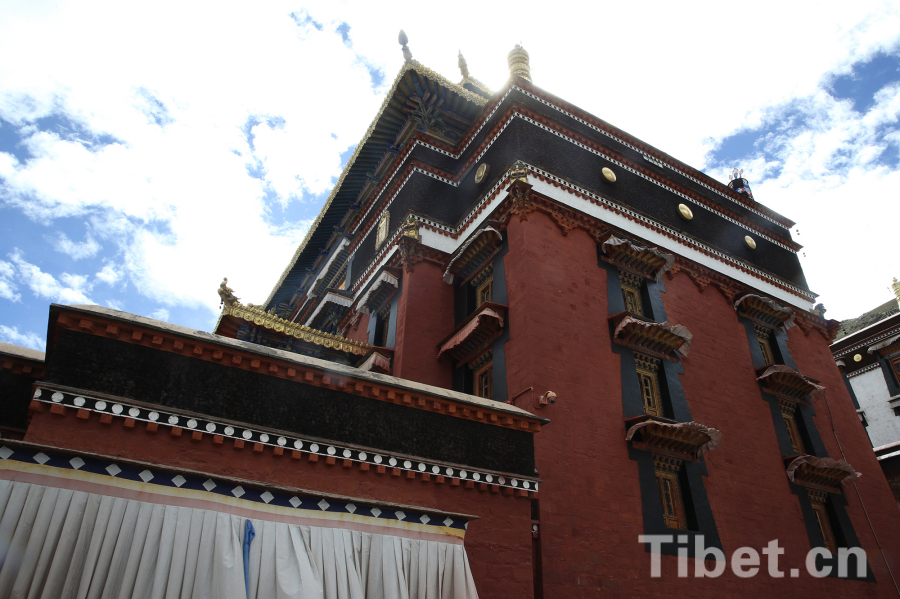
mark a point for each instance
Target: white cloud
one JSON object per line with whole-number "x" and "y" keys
{"x": 69, "y": 289}
{"x": 157, "y": 156}
{"x": 7, "y": 286}
{"x": 28, "y": 339}
{"x": 826, "y": 166}
{"x": 161, "y": 314}
{"x": 115, "y": 304}
{"x": 75, "y": 249}
{"x": 109, "y": 274}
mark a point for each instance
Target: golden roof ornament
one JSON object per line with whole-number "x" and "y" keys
{"x": 518, "y": 61}
{"x": 407, "y": 55}
{"x": 463, "y": 67}
{"x": 518, "y": 172}
{"x": 410, "y": 228}
{"x": 226, "y": 294}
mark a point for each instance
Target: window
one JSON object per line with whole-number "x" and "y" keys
{"x": 484, "y": 286}
{"x": 383, "y": 225}
{"x": 382, "y": 321}
{"x": 789, "y": 415}
{"x": 667, "y": 480}
{"x": 648, "y": 378}
{"x": 764, "y": 337}
{"x": 631, "y": 292}
{"x": 895, "y": 366}
{"x": 484, "y": 376}
{"x": 819, "y": 501}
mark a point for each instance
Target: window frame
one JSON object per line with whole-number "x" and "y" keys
{"x": 671, "y": 493}
{"x": 486, "y": 369}
{"x": 648, "y": 380}
{"x": 789, "y": 417}
{"x": 632, "y": 288}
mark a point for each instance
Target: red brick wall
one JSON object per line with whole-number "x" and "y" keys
{"x": 498, "y": 544}
{"x": 424, "y": 318}
{"x": 814, "y": 358}
{"x": 590, "y": 499}
{"x": 360, "y": 331}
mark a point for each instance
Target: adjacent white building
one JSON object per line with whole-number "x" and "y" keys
{"x": 867, "y": 350}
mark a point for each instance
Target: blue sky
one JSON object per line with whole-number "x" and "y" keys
{"x": 145, "y": 157}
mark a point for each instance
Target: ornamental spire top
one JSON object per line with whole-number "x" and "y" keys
{"x": 407, "y": 55}
{"x": 463, "y": 67}
{"x": 518, "y": 61}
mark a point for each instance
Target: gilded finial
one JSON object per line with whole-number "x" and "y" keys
{"x": 407, "y": 55}
{"x": 226, "y": 294}
{"x": 518, "y": 61}
{"x": 463, "y": 67}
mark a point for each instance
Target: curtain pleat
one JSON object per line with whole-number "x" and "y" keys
{"x": 62, "y": 544}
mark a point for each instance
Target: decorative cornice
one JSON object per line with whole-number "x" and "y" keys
{"x": 109, "y": 410}
{"x": 868, "y": 341}
{"x": 22, "y": 365}
{"x": 329, "y": 375}
{"x": 863, "y": 370}
{"x": 292, "y": 329}
{"x": 514, "y": 112}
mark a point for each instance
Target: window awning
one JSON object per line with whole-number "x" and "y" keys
{"x": 377, "y": 362}
{"x": 884, "y": 344}
{"x": 469, "y": 339}
{"x": 687, "y": 440}
{"x": 786, "y": 382}
{"x": 765, "y": 311}
{"x": 331, "y": 301}
{"x": 473, "y": 253}
{"x": 647, "y": 262}
{"x": 826, "y": 474}
{"x": 382, "y": 288}
{"x": 658, "y": 339}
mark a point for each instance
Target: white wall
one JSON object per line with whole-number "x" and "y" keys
{"x": 872, "y": 394}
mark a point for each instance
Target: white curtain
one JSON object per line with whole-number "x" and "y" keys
{"x": 63, "y": 543}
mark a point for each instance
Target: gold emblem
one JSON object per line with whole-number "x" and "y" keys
{"x": 685, "y": 212}
{"x": 608, "y": 174}
{"x": 857, "y": 358}
{"x": 482, "y": 172}
{"x": 751, "y": 243}
{"x": 382, "y": 232}
{"x": 518, "y": 173}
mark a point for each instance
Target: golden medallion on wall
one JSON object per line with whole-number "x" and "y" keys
{"x": 482, "y": 172}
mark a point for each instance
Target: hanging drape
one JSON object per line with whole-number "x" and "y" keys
{"x": 58, "y": 542}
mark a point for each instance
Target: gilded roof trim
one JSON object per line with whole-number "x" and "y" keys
{"x": 412, "y": 65}
{"x": 293, "y": 329}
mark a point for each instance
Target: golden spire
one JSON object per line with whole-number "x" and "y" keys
{"x": 518, "y": 63}
{"x": 407, "y": 55}
{"x": 463, "y": 67}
